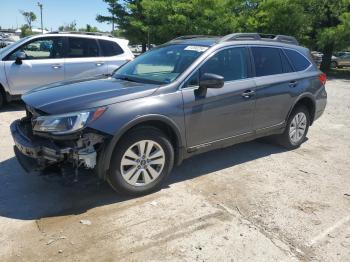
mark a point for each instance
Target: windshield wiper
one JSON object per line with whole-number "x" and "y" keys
{"x": 126, "y": 78}
{"x": 137, "y": 79}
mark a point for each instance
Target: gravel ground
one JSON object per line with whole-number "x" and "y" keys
{"x": 250, "y": 202}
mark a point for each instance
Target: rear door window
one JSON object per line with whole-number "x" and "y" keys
{"x": 110, "y": 48}
{"x": 82, "y": 47}
{"x": 267, "y": 61}
{"x": 299, "y": 61}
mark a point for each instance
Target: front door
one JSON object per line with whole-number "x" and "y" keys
{"x": 225, "y": 112}
{"x": 44, "y": 64}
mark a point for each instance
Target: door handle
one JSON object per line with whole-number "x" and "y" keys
{"x": 99, "y": 63}
{"x": 248, "y": 93}
{"x": 56, "y": 66}
{"x": 293, "y": 83}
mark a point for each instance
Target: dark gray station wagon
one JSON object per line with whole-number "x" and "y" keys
{"x": 190, "y": 95}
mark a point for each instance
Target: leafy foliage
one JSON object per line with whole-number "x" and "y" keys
{"x": 29, "y": 17}
{"x": 319, "y": 24}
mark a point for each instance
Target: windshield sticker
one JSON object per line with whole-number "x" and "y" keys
{"x": 196, "y": 48}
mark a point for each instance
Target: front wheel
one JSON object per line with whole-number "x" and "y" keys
{"x": 297, "y": 127}
{"x": 334, "y": 65}
{"x": 141, "y": 162}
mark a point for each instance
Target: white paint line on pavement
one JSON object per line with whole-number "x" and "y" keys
{"x": 323, "y": 234}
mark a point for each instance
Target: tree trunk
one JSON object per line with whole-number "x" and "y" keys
{"x": 327, "y": 57}
{"x": 144, "y": 47}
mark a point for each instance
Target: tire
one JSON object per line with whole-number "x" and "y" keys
{"x": 334, "y": 64}
{"x": 2, "y": 98}
{"x": 147, "y": 177}
{"x": 286, "y": 139}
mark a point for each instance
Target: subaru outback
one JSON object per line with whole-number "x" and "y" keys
{"x": 185, "y": 97}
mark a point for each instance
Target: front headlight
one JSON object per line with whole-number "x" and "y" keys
{"x": 66, "y": 123}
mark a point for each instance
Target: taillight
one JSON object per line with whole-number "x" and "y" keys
{"x": 323, "y": 78}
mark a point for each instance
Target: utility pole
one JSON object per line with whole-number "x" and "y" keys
{"x": 41, "y": 17}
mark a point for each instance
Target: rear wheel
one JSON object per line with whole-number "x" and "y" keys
{"x": 2, "y": 98}
{"x": 296, "y": 129}
{"x": 141, "y": 162}
{"x": 334, "y": 64}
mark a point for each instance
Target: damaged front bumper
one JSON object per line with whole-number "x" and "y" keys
{"x": 37, "y": 153}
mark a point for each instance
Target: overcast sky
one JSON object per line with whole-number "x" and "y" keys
{"x": 55, "y": 13}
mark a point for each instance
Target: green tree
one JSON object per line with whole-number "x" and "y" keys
{"x": 276, "y": 17}
{"x": 319, "y": 24}
{"x": 29, "y": 17}
{"x": 72, "y": 26}
{"x": 89, "y": 28}
{"x": 129, "y": 17}
{"x": 25, "y": 31}
{"x": 330, "y": 26}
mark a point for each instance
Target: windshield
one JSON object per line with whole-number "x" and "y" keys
{"x": 3, "y": 50}
{"x": 160, "y": 65}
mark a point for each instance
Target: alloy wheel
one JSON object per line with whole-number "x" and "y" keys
{"x": 297, "y": 127}
{"x": 142, "y": 163}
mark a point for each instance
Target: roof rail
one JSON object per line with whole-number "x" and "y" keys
{"x": 286, "y": 39}
{"x": 81, "y": 33}
{"x": 184, "y": 37}
{"x": 241, "y": 36}
{"x": 257, "y": 36}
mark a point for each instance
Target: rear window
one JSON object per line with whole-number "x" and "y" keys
{"x": 82, "y": 47}
{"x": 110, "y": 48}
{"x": 299, "y": 61}
{"x": 267, "y": 61}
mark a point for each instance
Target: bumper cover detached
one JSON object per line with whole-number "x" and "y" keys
{"x": 35, "y": 153}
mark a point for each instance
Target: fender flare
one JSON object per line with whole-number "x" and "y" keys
{"x": 306, "y": 95}
{"x": 107, "y": 153}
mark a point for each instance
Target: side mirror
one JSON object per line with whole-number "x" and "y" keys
{"x": 209, "y": 80}
{"x": 19, "y": 57}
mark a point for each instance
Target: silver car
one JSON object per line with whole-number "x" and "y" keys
{"x": 43, "y": 59}
{"x": 341, "y": 61}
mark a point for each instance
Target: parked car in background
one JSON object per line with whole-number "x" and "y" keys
{"x": 341, "y": 61}
{"x": 188, "y": 96}
{"x": 43, "y": 59}
{"x": 7, "y": 38}
{"x": 338, "y": 54}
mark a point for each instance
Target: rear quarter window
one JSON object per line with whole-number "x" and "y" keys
{"x": 110, "y": 48}
{"x": 299, "y": 61}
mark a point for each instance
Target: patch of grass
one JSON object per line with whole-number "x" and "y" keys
{"x": 341, "y": 73}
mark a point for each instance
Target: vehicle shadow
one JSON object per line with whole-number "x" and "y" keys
{"x": 12, "y": 107}
{"x": 26, "y": 197}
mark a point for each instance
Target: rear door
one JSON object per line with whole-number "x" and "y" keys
{"x": 83, "y": 58}
{"x": 44, "y": 64}
{"x": 275, "y": 83}
{"x": 112, "y": 55}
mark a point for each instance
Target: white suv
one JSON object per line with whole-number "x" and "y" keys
{"x": 43, "y": 59}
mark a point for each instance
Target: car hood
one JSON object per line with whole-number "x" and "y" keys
{"x": 71, "y": 96}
